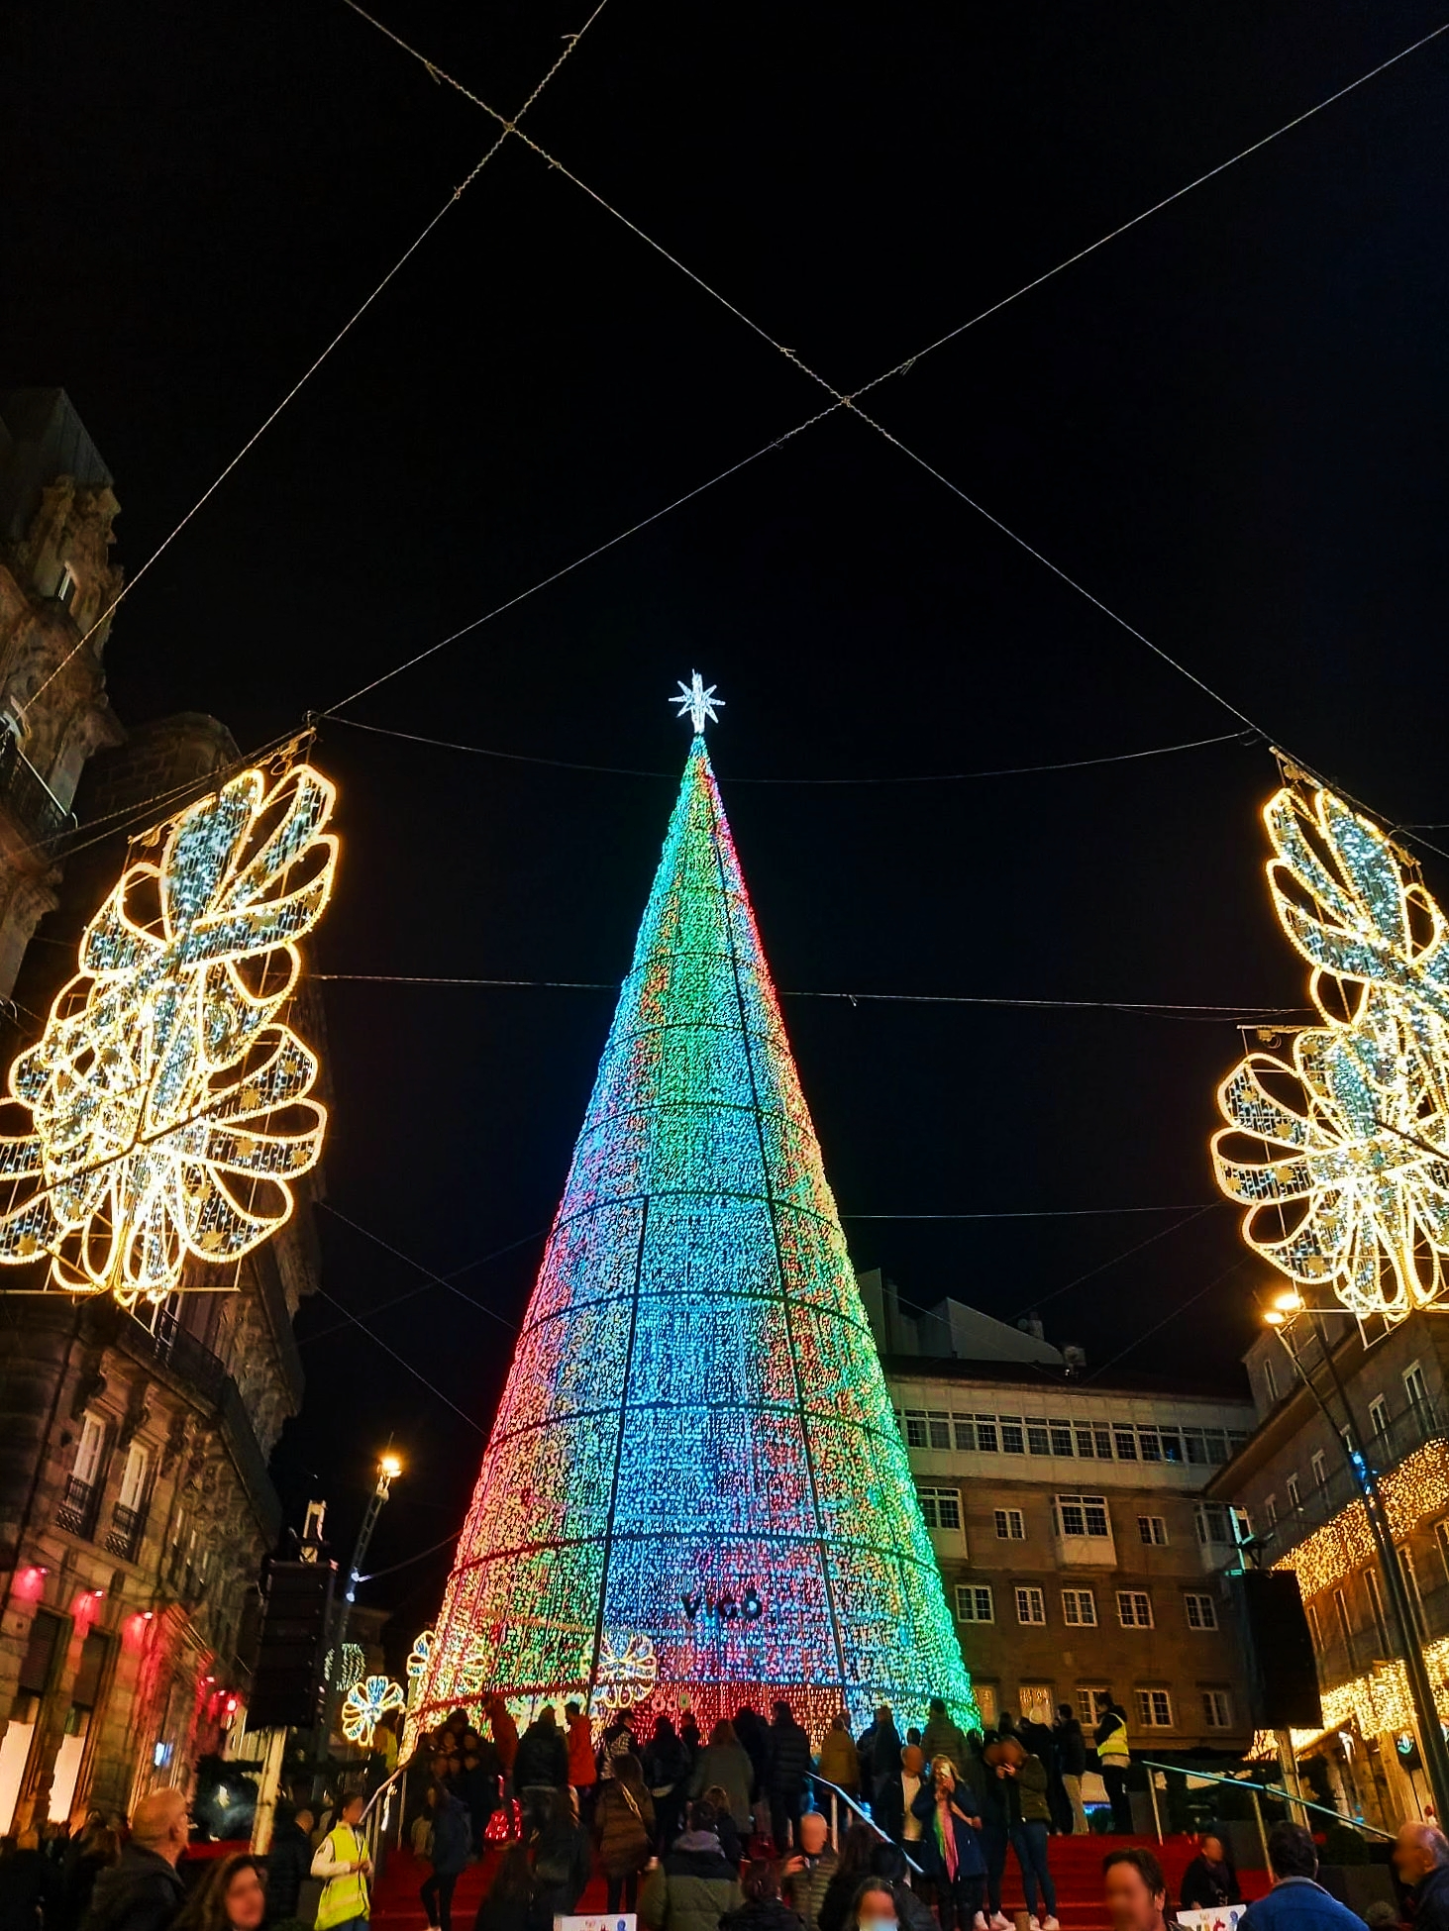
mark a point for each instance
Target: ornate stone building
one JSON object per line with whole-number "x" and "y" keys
{"x": 135, "y": 1502}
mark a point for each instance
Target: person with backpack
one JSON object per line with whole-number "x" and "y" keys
{"x": 624, "y": 1832}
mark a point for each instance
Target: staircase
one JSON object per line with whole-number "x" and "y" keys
{"x": 1076, "y": 1866}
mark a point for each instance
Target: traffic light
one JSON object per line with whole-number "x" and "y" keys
{"x": 287, "y": 1685}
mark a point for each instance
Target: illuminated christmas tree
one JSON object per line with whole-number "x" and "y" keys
{"x": 695, "y": 1489}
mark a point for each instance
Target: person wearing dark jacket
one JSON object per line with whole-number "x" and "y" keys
{"x": 666, "y": 1763}
{"x": 543, "y": 1757}
{"x": 790, "y": 1764}
{"x": 476, "y": 1783}
{"x": 561, "y": 1858}
{"x": 883, "y": 1759}
{"x": 452, "y": 1841}
{"x": 29, "y": 1885}
{"x": 695, "y": 1885}
{"x": 1210, "y": 1880}
{"x": 1072, "y": 1756}
{"x": 888, "y": 1861}
{"x": 141, "y": 1891}
{"x": 1421, "y": 1858}
{"x": 942, "y": 1738}
{"x": 763, "y": 1909}
{"x": 850, "y": 1873}
{"x": 754, "y": 1735}
{"x": 86, "y": 1856}
{"x": 506, "y": 1903}
{"x": 624, "y": 1832}
{"x": 289, "y": 1861}
{"x": 1024, "y": 1789}
{"x": 951, "y": 1845}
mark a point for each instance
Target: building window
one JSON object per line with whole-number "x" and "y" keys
{"x": 66, "y": 589}
{"x": 1125, "y": 1438}
{"x": 1441, "y": 1537}
{"x": 1202, "y": 1612}
{"x": 1038, "y": 1440}
{"x": 986, "y": 1437}
{"x": 941, "y": 1508}
{"x": 1149, "y": 1447}
{"x": 915, "y": 1430}
{"x": 1315, "y": 1628}
{"x": 1212, "y": 1523}
{"x": 940, "y": 1429}
{"x": 1154, "y": 1709}
{"x": 1153, "y": 1530}
{"x": 1030, "y": 1604}
{"x": 1270, "y": 1381}
{"x": 1134, "y": 1609}
{"x": 1270, "y": 1510}
{"x": 1318, "y": 1462}
{"x": 1414, "y": 1389}
{"x": 1295, "y": 1499}
{"x": 964, "y": 1429}
{"x": 1345, "y": 1627}
{"x": 1079, "y": 1609}
{"x": 1378, "y": 1415}
{"x": 986, "y": 1703}
{"x": 1088, "y": 1707}
{"x": 1010, "y": 1525}
{"x": 1084, "y": 1515}
{"x": 1376, "y": 1609}
{"x": 1013, "y": 1436}
{"x": 79, "y": 1494}
{"x": 973, "y": 1603}
{"x": 1217, "y": 1710}
{"x": 1172, "y": 1445}
{"x": 1036, "y": 1702}
{"x": 1061, "y": 1437}
{"x": 1094, "y": 1442}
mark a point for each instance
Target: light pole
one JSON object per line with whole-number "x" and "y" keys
{"x": 1286, "y": 1308}
{"x": 389, "y": 1467}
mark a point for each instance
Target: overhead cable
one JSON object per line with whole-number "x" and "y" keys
{"x": 570, "y": 42}
{"x": 929, "y": 777}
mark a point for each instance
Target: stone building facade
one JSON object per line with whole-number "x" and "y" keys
{"x": 135, "y": 1500}
{"x": 1078, "y": 1542}
{"x": 1298, "y": 1495}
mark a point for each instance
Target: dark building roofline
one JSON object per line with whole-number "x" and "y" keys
{"x": 1028, "y": 1373}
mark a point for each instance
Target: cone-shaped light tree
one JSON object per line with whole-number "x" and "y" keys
{"x": 695, "y": 1490}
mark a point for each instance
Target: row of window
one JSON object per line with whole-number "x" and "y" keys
{"x": 976, "y": 1603}
{"x": 1081, "y": 1516}
{"x": 1038, "y": 1703}
{"x": 1416, "y": 1393}
{"x": 1121, "y": 1441}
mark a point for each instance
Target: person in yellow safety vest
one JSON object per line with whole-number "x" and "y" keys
{"x": 1113, "y": 1757}
{"x": 341, "y": 1858}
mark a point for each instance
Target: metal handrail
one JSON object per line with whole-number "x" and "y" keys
{"x": 1268, "y": 1790}
{"x": 864, "y": 1816}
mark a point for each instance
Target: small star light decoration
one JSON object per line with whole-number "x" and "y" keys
{"x": 366, "y": 1704}
{"x": 626, "y": 1674}
{"x": 697, "y": 703}
{"x": 167, "y": 1099}
{"x": 1347, "y": 1177}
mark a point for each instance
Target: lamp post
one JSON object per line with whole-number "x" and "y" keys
{"x": 1288, "y": 1307}
{"x": 389, "y": 1467}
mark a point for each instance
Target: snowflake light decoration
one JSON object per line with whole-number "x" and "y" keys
{"x": 698, "y": 702}
{"x": 626, "y": 1674}
{"x": 1348, "y": 1184}
{"x": 366, "y": 1704}
{"x": 168, "y": 1101}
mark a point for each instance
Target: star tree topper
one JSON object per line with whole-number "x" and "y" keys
{"x": 697, "y": 702}
{"x": 168, "y": 1101}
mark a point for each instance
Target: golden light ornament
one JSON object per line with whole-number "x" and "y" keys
{"x": 628, "y": 1670}
{"x": 366, "y": 1704}
{"x": 169, "y": 1103}
{"x": 1347, "y": 1180}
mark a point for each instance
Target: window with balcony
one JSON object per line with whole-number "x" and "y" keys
{"x": 1378, "y": 1412}
{"x": 81, "y": 1491}
{"x": 1154, "y": 1710}
{"x": 1318, "y": 1462}
{"x": 1134, "y": 1609}
{"x": 1079, "y": 1609}
{"x": 1010, "y": 1525}
{"x": 1295, "y": 1498}
{"x": 1217, "y": 1710}
{"x": 128, "y": 1517}
{"x": 942, "y": 1508}
{"x": 1030, "y": 1604}
{"x": 973, "y": 1603}
{"x": 1416, "y": 1392}
{"x": 1081, "y": 1515}
{"x": 1153, "y": 1530}
{"x": 1202, "y": 1611}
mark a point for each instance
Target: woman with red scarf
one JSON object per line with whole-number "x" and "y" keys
{"x": 952, "y": 1848}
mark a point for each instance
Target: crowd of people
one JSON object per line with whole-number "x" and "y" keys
{"x": 724, "y": 1833}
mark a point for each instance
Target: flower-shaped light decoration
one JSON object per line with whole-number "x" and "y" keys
{"x": 418, "y": 1663}
{"x": 168, "y": 1101}
{"x": 1347, "y": 1184}
{"x": 626, "y": 1674}
{"x": 366, "y": 1704}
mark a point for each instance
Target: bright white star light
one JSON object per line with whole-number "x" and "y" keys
{"x": 698, "y": 702}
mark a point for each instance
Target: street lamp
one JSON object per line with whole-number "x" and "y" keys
{"x": 1280, "y": 1316}
{"x": 389, "y": 1467}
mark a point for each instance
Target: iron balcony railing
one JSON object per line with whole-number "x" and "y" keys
{"x": 123, "y": 1538}
{"x": 27, "y": 796}
{"x": 77, "y": 1508}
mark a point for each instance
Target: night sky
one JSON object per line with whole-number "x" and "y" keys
{"x": 1229, "y": 425}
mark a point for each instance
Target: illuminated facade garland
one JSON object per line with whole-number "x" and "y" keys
{"x": 168, "y": 1101}
{"x": 1351, "y": 1188}
{"x": 695, "y": 1491}
{"x": 1417, "y": 1488}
